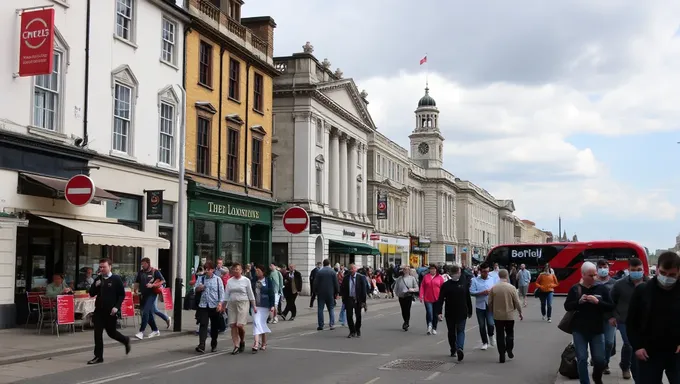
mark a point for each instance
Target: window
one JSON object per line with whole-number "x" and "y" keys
{"x": 319, "y": 133}
{"x": 258, "y": 93}
{"x": 319, "y": 187}
{"x": 167, "y": 132}
{"x": 124, "y": 19}
{"x": 205, "y": 64}
{"x": 231, "y": 236}
{"x": 256, "y": 167}
{"x": 203, "y": 146}
{"x": 378, "y": 167}
{"x": 122, "y": 117}
{"x": 232, "y": 155}
{"x": 234, "y": 76}
{"x": 46, "y": 97}
{"x": 168, "y": 41}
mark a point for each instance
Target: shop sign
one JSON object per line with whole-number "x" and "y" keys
{"x": 348, "y": 233}
{"x": 231, "y": 211}
{"x": 315, "y": 225}
{"x": 154, "y": 205}
{"x": 375, "y": 236}
{"x": 382, "y": 206}
{"x": 36, "y": 42}
{"x": 66, "y": 309}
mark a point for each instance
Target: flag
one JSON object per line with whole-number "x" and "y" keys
{"x": 423, "y": 60}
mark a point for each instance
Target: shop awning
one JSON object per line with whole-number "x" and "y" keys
{"x": 350, "y": 247}
{"x": 95, "y": 232}
{"x": 57, "y": 186}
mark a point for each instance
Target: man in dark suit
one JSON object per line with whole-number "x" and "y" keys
{"x": 354, "y": 291}
{"x": 292, "y": 285}
{"x": 312, "y": 276}
{"x": 110, "y": 292}
{"x": 327, "y": 289}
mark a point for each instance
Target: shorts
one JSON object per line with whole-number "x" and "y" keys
{"x": 238, "y": 312}
{"x": 523, "y": 290}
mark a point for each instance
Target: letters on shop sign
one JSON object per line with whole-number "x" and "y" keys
{"x": 230, "y": 210}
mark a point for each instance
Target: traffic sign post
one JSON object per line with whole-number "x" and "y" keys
{"x": 295, "y": 220}
{"x": 79, "y": 190}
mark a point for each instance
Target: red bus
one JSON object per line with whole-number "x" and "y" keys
{"x": 566, "y": 258}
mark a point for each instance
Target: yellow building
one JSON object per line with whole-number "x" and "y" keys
{"x": 228, "y": 78}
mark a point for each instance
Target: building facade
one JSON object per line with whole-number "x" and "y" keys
{"x": 118, "y": 125}
{"x": 229, "y": 78}
{"x": 322, "y": 127}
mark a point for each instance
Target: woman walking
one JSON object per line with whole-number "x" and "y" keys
{"x": 406, "y": 289}
{"x": 429, "y": 295}
{"x": 546, "y": 283}
{"x": 240, "y": 298}
{"x": 263, "y": 289}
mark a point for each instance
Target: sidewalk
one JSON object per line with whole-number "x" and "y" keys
{"x": 21, "y": 344}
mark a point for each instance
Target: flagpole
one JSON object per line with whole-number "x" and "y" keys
{"x": 427, "y": 70}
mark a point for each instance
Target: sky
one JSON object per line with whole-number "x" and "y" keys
{"x": 570, "y": 108}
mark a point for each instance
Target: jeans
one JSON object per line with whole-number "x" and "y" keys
{"x": 159, "y": 313}
{"x": 609, "y": 340}
{"x": 330, "y": 304}
{"x": 456, "y": 334}
{"x": 431, "y": 315}
{"x": 343, "y": 314}
{"x": 506, "y": 336}
{"x": 206, "y": 315}
{"x": 596, "y": 342}
{"x": 486, "y": 324}
{"x": 405, "y": 305}
{"x": 546, "y": 301}
{"x": 651, "y": 371}
{"x": 628, "y": 360}
{"x": 148, "y": 307}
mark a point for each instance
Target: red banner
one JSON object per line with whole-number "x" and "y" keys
{"x": 36, "y": 42}
{"x": 167, "y": 298}
{"x": 128, "y": 307}
{"x": 66, "y": 309}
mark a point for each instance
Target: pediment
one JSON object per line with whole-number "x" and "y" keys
{"x": 206, "y": 106}
{"x": 234, "y": 118}
{"x": 346, "y": 95}
{"x": 258, "y": 129}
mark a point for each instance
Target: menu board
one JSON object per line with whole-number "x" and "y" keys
{"x": 128, "y": 307}
{"x": 167, "y": 299}
{"x": 66, "y": 309}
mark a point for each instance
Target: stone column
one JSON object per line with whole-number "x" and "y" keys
{"x": 364, "y": 182}
{"x": 352, "y": 147}
{"x": 326, "y": 167}
{"x": 334, "y": 171}
{"x": 342, "y": 180}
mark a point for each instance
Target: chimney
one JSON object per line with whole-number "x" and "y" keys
{"x": 262, "y": 27}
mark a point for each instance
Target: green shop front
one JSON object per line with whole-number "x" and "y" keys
{"x": 232, "y": 227}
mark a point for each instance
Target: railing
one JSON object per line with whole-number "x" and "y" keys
{"x": 233, "y": 26}
{"x": 260, "y": 45}
{"x": 209, "y": 10}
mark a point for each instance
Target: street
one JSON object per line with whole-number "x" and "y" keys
{"x": 301, "y": 354}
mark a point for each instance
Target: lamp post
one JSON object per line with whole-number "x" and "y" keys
{"x": 181, "y": 196}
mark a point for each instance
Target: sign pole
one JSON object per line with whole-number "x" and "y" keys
{"x": 181, "y": 196}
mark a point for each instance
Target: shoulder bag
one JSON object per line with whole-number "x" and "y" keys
{"x": 566, "y": 324}
{"x": 408, "y": 294}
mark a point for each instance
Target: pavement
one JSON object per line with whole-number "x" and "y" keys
{"x": 298, "y": 353}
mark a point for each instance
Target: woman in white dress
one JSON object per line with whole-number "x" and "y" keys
{"x": 263, "y": 288}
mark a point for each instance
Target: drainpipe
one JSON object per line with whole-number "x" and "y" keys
{"x": 219, "y": 124}
{"x": 245, "y": 162}
{"x": 87, "y": 73}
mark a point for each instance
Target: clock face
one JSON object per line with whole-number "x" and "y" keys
{"x": 423, "y": 148}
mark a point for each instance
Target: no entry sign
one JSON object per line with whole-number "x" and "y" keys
{"x": 79, "y": 190}
{"x": 295, "y": 220}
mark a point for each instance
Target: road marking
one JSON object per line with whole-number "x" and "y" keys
{"x": 309, "y": 333}
{"x": 432, "y": 376}
{"x": 189, "y": 360}
{"x": 466, "y": 331}
{"x": 187, "y": 368}
{"x": 330, "y": 351}
{"x": 373, "y": 380}
{"x": 110, "y": 378}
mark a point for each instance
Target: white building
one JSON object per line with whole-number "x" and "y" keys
{"x": 124, "y": 133}
{"x": 320, "y": 141}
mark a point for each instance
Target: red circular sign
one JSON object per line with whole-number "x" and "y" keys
{"x": 79, "y": 190}
{"x": 295, "y": 220}
{"x": 382, "y": 206}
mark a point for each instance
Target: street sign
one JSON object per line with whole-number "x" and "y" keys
{"x": 315, "y": 225}
{"x": 295, "y": 220}
{"x": 79, "y": 190}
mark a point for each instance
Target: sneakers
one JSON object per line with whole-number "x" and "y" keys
{"x": 429, "y": 329}
{"x": 154, "y": 334}
{"x": 627, "y": 375}
{"x": 492, "y": 341}
{"x": 276, "y": 320}
{"x": 607, "y": 371}
{"x": 460, "y": 354}
{"x": 543, "y": 318}
{"x": 168, "y": 322}
{"x": 140, "y": 335}
{"x": 485, "y": 347}
{"x": 434, "y": 331}
{"x": 549, "y": 320}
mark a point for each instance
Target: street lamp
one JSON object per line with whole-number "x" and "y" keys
{"x": 179, "y": 284}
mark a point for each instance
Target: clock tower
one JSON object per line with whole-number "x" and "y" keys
{"x": 427, "y": 142}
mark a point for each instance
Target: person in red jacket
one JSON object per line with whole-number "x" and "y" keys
{"x": 429, "y": 295}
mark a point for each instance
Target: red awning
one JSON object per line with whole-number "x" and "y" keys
{"x": 59, "y": 185}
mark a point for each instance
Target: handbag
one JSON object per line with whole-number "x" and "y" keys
{"x": 566, "y": 324}
{"x": 408, "y": 294}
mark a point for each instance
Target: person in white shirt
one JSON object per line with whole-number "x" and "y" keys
{"x": 240, "y": 299}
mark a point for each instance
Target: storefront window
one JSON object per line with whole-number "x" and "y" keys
{"x": 124, "y": 263}
{"x": 168, "y": 214}
{"x": 127, "y": 209}
{"x": 89, "y": 255}
{"x": 70, "y": 256}
{"x": 204, "y": 241}
{"x": 232, "y": 242}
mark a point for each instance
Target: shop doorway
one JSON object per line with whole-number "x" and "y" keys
{"x": 280, "y": 253}
{"x": 259, "y": 245}
{"x": 165, "y": 257}
{"x": 318, "y": 249}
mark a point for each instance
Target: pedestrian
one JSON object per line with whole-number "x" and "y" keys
{"x": 652, "y": 324}
{"x": 147, "y": 284}
{"x": 292, "y": 287}
{"x": 277, "y": 281}
{"x": 523, "y": 280}
{"x": 327, "y": 289}
{"x": 456, "y": 304}
{"x": 504, "y": 304}
{"x": 513, "y": 275}
{"x": 604, "y": 279}
{"x": 312, "y": 276}
{"x": 406, "y": 290}
{"x": 493, "y": 274}
{"x": 263, "y": 290}
{"x": 621, "y": 296}
{"x": 210, "y": 306}
{"x": 545, "y": 284}
{"x": 240, "y": 299}
{"x": 354, "y": 292}
{"x": 342, "y": 318}
{"x": 589, "y": 302}
{"x": 109, "y": 292}
{"x": 429, "y": 295}
{"x": 480, "y": 288}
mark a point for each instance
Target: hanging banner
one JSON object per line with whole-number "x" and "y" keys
{"x": 36, "y": 42}
{"x": 382, "y": 207}
{"x": 66, "y": 306}
{"x": 154, "y": 205}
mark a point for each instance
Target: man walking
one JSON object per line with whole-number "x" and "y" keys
{"x": 523, "y": 280}
{"x": 147, "y": 282}
{"x": 603, "y": 278}
{"x": 456, "y": 304}
{"x": 211, "y": 303}
{"x": 652, "y": 324}
{"x": 312, "y": 276}
{"x": 354, "y": 291}
{"x": 277, "y": 280}
{"x": 109, "y": 292}
{"x": 504, "y": 303}
{"x": 327, "y": 289}
{"x": 480, "y": 288}
{"x": 292, "y": 287}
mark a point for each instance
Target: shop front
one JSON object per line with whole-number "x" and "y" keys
{"x": 393, "y": 250}
{"x": 420, "y": 249}
{"x": 449, "y": 254}
{"x": 232, "y": 227}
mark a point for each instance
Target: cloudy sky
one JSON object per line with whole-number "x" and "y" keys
{"x": 569, "y": 108}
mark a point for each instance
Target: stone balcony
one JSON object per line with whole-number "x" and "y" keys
{"x": 235, "y": 31}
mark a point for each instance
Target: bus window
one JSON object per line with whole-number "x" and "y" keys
{"x": 499, "y": 255}
{"x": 624, "y": 254}
{"x": 595, "y": 254}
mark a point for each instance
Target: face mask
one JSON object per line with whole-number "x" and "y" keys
{"x": 637, "y": 275}
{"x": 666, "y": 281}
{"x": 455, "y": 277}
{"x": 603, "y": 272}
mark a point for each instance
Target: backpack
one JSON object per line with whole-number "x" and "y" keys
{"x": 568, "y": 366}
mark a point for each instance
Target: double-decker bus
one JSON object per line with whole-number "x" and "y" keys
{"x": 566, "y": 258}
